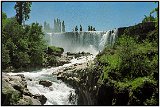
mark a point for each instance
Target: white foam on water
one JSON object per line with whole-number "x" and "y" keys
{"x": 58, "y": 93}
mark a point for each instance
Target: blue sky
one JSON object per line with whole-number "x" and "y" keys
{"x": 101, "y": 15}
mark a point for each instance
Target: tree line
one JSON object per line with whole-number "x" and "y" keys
{"x": 57, "y": 28}
{"x": 90, "y": 28}
{"x": 22, "y": 45}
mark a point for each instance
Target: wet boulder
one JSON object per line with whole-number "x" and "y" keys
{"x": 45, "y": 83}
{"x": 15, "y": 92}
{"x": 41, "y": 98}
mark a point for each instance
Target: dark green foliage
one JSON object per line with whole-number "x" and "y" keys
{"x": 80, "y": 28}
{"x": 20, "y": 59}
{"x": 52, "y": 55}
{"x": 52, "y": 50}
{"x": 131, "y": 66}
{"x": 63, "y": 27}
{"x": 52, "y": 60}
{"x": 22, "y": 46}
{"x": 4, "y": 16}
{"x": 22, "y": 11}
{"x": 36, "y": 44}
{"x": 76, "y": 28}
{"x": 5, "y": 57}
{"x": 148, "y": 19}
{"x": 89, "y": 28}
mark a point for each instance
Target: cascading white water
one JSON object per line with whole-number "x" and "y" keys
{"x": 58, "y": 93}
{"x": 104, "y": 39}
{"x": 108, "y": 39}
{"x": 92, "y": 41}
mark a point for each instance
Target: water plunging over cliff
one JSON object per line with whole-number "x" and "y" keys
{"x": 58, "y": 93}
{"x": 92, "y": 41}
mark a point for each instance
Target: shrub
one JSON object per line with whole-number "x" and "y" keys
{"x": 55, "y": 50}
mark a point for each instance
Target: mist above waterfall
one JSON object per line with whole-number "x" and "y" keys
{"x": 91, "y": 41}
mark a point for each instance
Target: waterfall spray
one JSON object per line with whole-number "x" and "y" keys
{"x": 91, "y": 42}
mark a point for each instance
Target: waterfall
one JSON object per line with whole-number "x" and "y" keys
{"x": 91, "y": 41}
{"x": 108, "y": 39}
{"x": 58, "y": 93}
{"x": 50, "y": 38}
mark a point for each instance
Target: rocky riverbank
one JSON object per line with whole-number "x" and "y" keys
{"x": 15, "y": 92}
{"x": 16, "y": 87}
{"x": 83, "y": 79}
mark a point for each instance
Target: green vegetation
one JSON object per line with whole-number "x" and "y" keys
{"x": 131, "y": 66}
{"x": 52, "y": 55}
{"x": 55, "y": 50}
{"x": 80, "y": 28}
{"x": 129, "y": 69}
{"x": 76, "y": 29}
{"x": 24, "y": 46}
{"x": 91, "y": 28}
{"x": 10, "y": 95}
{"x": 22, "y": 11}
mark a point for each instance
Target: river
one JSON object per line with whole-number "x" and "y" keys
{"x": 59, "y": 92}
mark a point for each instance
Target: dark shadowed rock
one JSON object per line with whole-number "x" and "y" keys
{"x": 41, "y": 98}
{"x": 45, "y": 83}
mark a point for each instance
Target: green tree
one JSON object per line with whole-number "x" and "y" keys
{"x": 5, "y": 57}
{"x": 149, "y": 18}
{"x": 76, "y": 28}
{"x": 36, "y": 44}
{"x": 63, "y": 27}
{"x": 94, "y": 29}
{"x": 22, "y": 11}
{"x": 4, "y": 16}
{"x": 89, "y": 28}
{"x": 157, "y": 12}
{"x": 80, "y": 28}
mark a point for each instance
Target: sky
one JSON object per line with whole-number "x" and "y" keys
{"x": 101, "y": 15}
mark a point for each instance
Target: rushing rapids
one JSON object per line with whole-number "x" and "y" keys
{"x": 59, "y": 93}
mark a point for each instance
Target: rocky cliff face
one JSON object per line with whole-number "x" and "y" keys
{"x": 15, "y": 92}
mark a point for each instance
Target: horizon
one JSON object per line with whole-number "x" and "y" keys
{"x": 101, "y": 15}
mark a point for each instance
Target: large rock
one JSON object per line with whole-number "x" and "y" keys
{"x": 79, "y": 54}
{"x": 45, "y": 83}
{"x": 41, "y": 98}
{"x": 15, "y": 92}
{"x": 28, "y": 101}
